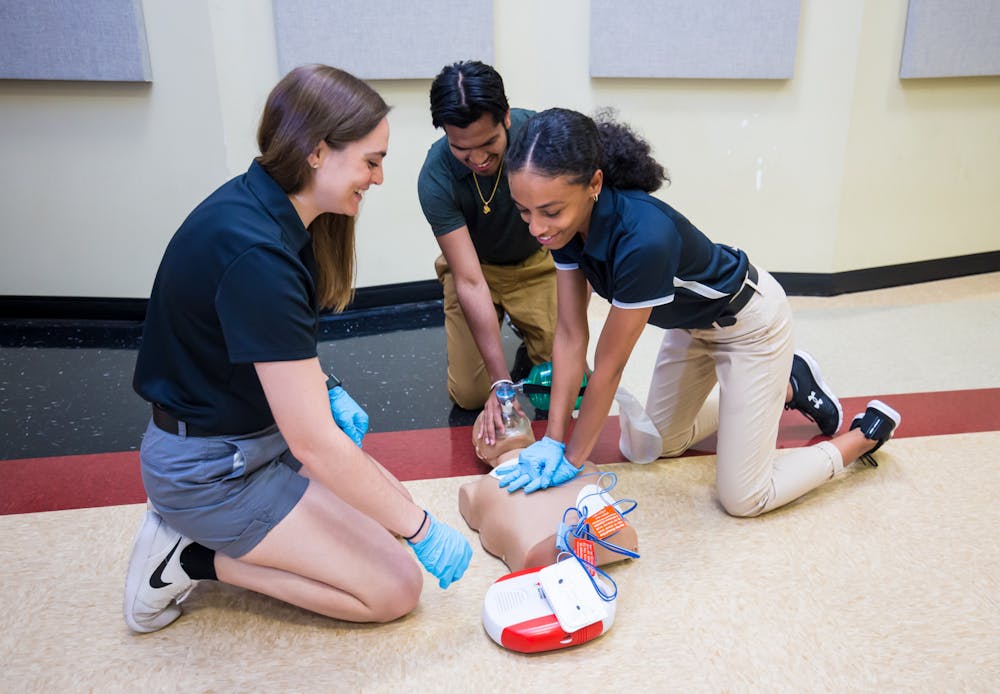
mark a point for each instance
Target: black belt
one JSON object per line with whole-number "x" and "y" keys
{"x": 170, "y": 424}
{"x": 736, "y": 304}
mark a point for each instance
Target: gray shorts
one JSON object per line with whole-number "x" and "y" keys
{"x": 223, "y": 492}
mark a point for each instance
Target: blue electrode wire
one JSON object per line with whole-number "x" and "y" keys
{"x": 581, "y": 529}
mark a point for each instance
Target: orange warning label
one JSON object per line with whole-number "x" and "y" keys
{"x": 606, "y": 522}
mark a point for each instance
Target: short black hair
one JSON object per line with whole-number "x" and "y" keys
{"x": 463, "y": 91}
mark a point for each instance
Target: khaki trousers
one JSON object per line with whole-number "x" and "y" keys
{"x": 733, "y": 381}
{"x": 526, "y": 292}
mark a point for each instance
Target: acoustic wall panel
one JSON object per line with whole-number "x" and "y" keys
{"x": 383, "y": 39}
{"x": 721, "y": 39}
{"x": 101, "y": 40}
{"x": 951, "y": 38}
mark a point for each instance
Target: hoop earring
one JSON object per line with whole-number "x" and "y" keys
{"x": 595, "y": 196}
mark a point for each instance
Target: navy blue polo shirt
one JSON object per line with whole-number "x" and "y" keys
{"x": 640, "y": 252}
{"x": 449, "y": 199}
{"x": 235, "y": 287}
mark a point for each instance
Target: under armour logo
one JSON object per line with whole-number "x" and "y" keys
{"x": 816, "y": 402}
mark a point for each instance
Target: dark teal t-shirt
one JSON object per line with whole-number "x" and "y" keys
{"x": 449, "y": 200}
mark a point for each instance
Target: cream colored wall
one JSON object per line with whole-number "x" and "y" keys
{"x": 842, "y": 167}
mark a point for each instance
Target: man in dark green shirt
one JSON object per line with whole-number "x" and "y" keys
{"x": 490, "y": 264}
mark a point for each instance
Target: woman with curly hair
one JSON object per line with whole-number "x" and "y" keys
{"x": 584, "y": 189}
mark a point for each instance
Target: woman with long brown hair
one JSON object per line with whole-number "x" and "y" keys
{"x": 252, "y": 459}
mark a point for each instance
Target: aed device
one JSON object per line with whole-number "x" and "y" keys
{"x": 546, "y": 608}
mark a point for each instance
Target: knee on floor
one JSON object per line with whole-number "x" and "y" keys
{"x": 741, "y": 505}
{"x": 401, "y": 594}
{"x": 675, "y": 446}
{"x": 467, "y": 398}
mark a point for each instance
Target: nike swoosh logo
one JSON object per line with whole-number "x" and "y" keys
{"x": 156, "y": 580}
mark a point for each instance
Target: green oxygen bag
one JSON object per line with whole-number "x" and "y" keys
{"x": 538, "y": 385}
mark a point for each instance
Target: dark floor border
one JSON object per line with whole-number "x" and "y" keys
{"x": 419, "y": 293}
{"x": 111, "y": 309}
{"x": 832, "y": 284}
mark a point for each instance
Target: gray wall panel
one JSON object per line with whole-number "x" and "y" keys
{"x": 951, "y": 38}
{"x": 725, "y": 39}
{"x": 101, "y": 40}
{"x": 383, "y": 39}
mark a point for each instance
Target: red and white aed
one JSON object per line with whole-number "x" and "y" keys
{"x": 546, "y": 608}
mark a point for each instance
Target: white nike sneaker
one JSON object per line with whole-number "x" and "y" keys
{"x": 155, "y": 584}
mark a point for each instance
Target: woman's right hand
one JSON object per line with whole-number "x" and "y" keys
{"x": 444, "y": 552}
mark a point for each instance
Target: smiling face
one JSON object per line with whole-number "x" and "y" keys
{"x": 554, "y": 207}
{"x": 341, "y": 176}
{"x": 480, "y": 145}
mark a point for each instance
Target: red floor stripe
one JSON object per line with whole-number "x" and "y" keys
{"x": 32, "y": 485}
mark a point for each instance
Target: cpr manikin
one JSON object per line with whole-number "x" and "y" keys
{"x": 520, "y": 528}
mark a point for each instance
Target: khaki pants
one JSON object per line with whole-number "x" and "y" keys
{"x": 750, "y": 362}
{"x": 526, "y": 292}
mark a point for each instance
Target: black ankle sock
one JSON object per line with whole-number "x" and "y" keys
{"x": 198, "y": 562}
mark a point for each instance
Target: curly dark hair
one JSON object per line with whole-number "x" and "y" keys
{"x": 561, "y": 142}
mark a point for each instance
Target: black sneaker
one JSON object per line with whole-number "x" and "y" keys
{"x": 812, "y": 397}
{"x": 877, "y": 422}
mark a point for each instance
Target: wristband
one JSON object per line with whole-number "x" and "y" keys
{"x": 422, "y": 523}
{"x": 332, "y": 382}
{"x": 502, "y": 380}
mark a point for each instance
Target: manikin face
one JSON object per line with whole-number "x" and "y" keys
{"x": 481, "y": 145}
{"x": 554, "y": 208}
{"x": 341, "y": 176}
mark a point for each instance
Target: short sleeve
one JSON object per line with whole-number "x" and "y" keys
{"x": 644, "y": 268}
{"x": 264, "y": 302}
{"x": 437, "y": 196}
{"x": 564, "y": 260}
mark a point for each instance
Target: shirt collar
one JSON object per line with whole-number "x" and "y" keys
{"x": 276, "y": 202}
{"x": 602, "y": 222}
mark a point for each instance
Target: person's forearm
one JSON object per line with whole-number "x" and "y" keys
{"x": 481, "y": 316}
{"x": 360, "y": 481}
{"x": 601, "y": 388}
{"x": 568, "y": 364}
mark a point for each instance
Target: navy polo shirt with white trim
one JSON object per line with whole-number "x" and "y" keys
{"x": 640, "y": 252}
{"x": 235, "y": 286}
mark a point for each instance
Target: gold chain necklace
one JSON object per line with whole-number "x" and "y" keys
{"x": 486, "y": 203}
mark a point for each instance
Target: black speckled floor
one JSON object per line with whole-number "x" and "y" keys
{"x": 66, "y": 388}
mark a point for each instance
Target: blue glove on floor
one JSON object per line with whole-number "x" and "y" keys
{"x": 444, "y": 552}
{"x": 348, "y": 414}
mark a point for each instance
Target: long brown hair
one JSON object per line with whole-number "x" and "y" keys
{"x": 312, "y": 104}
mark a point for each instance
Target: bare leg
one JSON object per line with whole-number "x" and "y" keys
{"x": 328, "y": 557}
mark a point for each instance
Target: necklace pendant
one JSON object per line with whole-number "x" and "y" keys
{"x": 486, "y": 208}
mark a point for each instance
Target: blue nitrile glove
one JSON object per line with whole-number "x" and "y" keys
{"x": 564, "y": 472}
{"x": 516, "y": 475}
{"x": 444, "y": 552}
{"x": 348, "y": 414}
{"x": 541, "y": 459}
